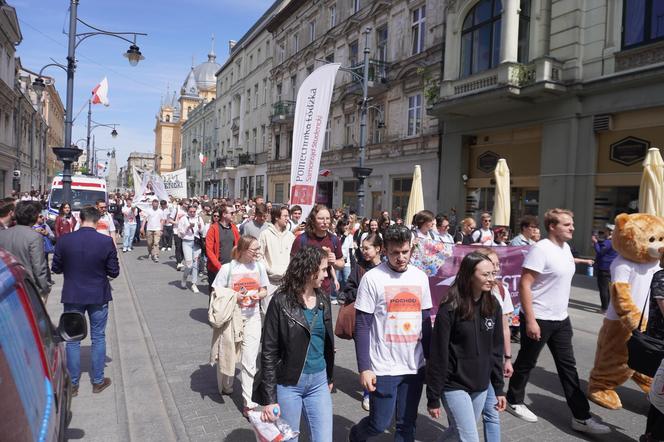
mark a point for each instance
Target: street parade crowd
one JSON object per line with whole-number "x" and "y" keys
{"x": 273, "y": 275}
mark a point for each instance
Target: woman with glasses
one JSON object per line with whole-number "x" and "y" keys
{"x": 248, "y": 279}
{"x": 466, "y": 353}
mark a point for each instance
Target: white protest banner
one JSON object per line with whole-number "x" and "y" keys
{"x": 176, "y": 183}
{"x": 311, "y": 111}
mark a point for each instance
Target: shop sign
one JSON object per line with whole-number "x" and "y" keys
{"x": 487, "y": 161}
{"x": 629, "y": 151}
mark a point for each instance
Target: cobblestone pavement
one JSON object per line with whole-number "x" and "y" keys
{"x": 176, "y": 337}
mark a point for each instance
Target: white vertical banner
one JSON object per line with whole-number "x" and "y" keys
{"x": 312, "y": 109}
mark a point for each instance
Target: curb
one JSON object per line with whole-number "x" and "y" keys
{"x": 173, "y": 414}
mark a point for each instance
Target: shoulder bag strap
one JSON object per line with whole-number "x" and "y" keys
{"x": 644, "y": 310}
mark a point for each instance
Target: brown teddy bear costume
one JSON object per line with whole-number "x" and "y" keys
{"x": 637, "y": 238}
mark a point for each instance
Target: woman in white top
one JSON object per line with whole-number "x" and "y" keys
{"x": 373, "y": 228}
{"x": 190, "y": 229}
{"x": 248, "y": 279}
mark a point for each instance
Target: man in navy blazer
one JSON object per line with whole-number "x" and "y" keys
{"x": 87, "y": 259}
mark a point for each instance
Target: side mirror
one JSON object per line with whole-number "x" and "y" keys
{"x": 72, "y": 327}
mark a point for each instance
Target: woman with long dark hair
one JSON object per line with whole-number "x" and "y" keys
{"x": 65, "y": 221}
{"x": 297, "y": 357}
{"x": 466, "y": 352}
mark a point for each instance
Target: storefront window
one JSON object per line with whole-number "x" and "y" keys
{"x": 324, "y": 193}
{"x": 349, "y": 198}
{"x": 279, "y": 196}
{"x": 400, "y": 195}
{"x": 260, "y": 185}
{"x": 612, "y": 201}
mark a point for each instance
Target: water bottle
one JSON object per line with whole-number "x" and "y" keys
{"x": 590, "y": 271}
{"x": 284, "y": 428}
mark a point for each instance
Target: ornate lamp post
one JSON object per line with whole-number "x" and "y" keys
{"x": 133, "y": 54}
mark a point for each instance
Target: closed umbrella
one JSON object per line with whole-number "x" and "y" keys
{"x": 651, "y": 191}
{"x": 501, "y": 201}
{"x": 416, "y": 200}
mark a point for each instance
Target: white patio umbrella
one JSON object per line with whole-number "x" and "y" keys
{"x": 651, "y": 191}
{"x": 416, "y": 200}
{"x": 501, "y": 201}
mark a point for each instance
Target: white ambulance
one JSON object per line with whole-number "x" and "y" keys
{"x": 85, "y": 191}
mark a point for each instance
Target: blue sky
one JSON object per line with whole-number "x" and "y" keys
{"x": 178, "y": 31}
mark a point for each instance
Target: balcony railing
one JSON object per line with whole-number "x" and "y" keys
{"x": 246, "y": 158}
{"x": 543, "y": 70}
{"x": 283, "y": 111}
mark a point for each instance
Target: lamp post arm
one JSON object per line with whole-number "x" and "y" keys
{"x": 61, "y": 66}
{"x": 98, "y": 31}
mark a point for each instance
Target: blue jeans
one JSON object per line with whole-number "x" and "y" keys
{"x": 312, "y": 396}
{"x": 98, "y": 314}
{"x": 392, "y": 392}
{"x": 128, "y": 233}
{"x": 342, "y": 276}
{"x": 491, "y": 417}
{"x": 463, "y": 412}
{"x": 192, "y": 252}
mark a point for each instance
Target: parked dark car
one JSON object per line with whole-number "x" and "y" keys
{"x": 35, "y": 388}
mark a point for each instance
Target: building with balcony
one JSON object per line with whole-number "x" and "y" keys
{"x": 244, "y": 114}
{"x": 569, "y": 93}
{"x": 199, "y": 87}
{"x": 406, "y": 46}
{"x": 10, "y": 37}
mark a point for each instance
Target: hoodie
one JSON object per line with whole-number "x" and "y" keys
{"x": 465, "y": 354}
{"x": 275, "y": 249}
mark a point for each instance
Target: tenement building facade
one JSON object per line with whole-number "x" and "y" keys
{"x": 405, "y": 44}
{"x": 569, "y": 93}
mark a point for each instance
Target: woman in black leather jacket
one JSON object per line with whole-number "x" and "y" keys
{"x": 297, "y": 357}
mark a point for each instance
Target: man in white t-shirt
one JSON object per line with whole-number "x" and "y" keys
{"x": 544, "y": 289}
{"x": 392, "y": 335}
{"x": 152, "y": 226}
{"x": 105, "y": 225}
{"x": 483, "y": 235}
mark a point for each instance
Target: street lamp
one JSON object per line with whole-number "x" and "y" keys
{"x": 134, "y": 55}
{"x": 360, "y": 172}
{"x": 92, "y": 125}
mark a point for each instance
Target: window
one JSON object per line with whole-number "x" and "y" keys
{"x": 293, "y": 85}
{"x": 290, "y": 140}
{"x": 643, "y": 22}
{"x": 264, "y": 90}
{"x": 377, "y": 123}
{"x": 279, "y": 196}
{"x": 281, "y": 53}
{"x": 333, "y": 16}
{"x": 381, "y": 43}
{"x": 414, "y": 114}
{"x": 353, "y": 51}
{"x": 524, "y": 31}
{"x": 248, "y": 101}
{"x": 418, "y": 28}
{"x": 251, "y": 186}
{"x": 278, "y": 96}
{"x": 260, "y": 185}
{"x": 357, "y": 5}
{"x": 328, "y": 135}
{"x": 251, "y": 62}
{"x": 312, "y": 30}
{"x": 400, "y": 195}
{"x": 255, "y": 139}
{"x": 349, "y": 126}
{"x": 256, "y": 96}
{"x": 258, "y": 56}
{"x": 480, "y": 38}
{"x": 277, "y": 145}
{"x": 263, "y": 138}
{"x": 296, "y": 43}
{"x": 349, "y": 196}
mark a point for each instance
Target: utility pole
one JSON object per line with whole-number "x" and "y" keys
{"x": 361, "y": 172}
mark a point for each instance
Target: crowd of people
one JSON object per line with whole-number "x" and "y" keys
{"x": 273, "y": 277}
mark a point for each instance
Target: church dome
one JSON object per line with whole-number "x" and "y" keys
{"x": 205, "y": 73}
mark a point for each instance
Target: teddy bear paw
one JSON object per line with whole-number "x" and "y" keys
{"x": 606, "y": 398}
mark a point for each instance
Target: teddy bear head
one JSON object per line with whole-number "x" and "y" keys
{"x": 638, "y": 236}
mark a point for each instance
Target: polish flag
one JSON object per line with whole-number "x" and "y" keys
{"x": 325, "y": 172}
{"x": 202, "y": 158}
{"x": 101, "y": 166}
{"x": 100, "y": 93}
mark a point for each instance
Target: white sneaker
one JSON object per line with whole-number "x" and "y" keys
{"x": 194, "y": 288}
{"x": 179, "y": 267}
{"x": 131, "y": 249}
{"x": 334, "y": 302}
{"x": 522, "y": 412}
{"x": 124, "y": 250}
{"x": 163, "y": 249}
{"x": 590, "y": 426}
{"x": 168, "y": 248}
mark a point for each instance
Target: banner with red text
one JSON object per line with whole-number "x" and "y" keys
{"x": 311, "y": 112}
{"x": 441, "y": 263}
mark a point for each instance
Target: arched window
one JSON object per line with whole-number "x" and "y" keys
{"x": 480, "y": 37}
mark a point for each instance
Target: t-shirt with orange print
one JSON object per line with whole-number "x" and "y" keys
{"x": 396, "y": 300}
{"x": 247, "y": 279}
